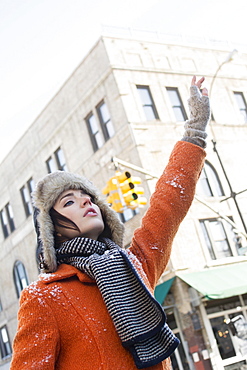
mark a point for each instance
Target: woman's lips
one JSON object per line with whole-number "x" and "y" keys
{"x": 90, "y": 212}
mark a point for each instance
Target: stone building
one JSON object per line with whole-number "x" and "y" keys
{"x": 128, "y": 100}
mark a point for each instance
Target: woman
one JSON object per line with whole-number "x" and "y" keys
{"x": 93, "y": 307}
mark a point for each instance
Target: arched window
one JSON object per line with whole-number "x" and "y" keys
{"x": 209, "y": 184}
{"x": 5, "y": 345}
{"x": 20, "y": 277}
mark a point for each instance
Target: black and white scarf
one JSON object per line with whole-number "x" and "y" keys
{"x": 138, "y": 318}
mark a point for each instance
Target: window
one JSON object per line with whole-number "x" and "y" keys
{"x": 51, "y": 165}
{"x": 7, "y": 220}
{"x": 56, "y": 161}
{"x": 128, "y": 214}
{"x": 147, "y": 103}
{"x": 95, "y": 134}
{"x": 239, "y": 96}
{"x": 221, "y": 239}
{"x": 105, "y": 121}
{"x": 209, "y": 184}
{"x": 20, "y": 277}
{"x": 5, "y": 346}
{"x": 26, "y": 191}
{"x": 177, "y": 104}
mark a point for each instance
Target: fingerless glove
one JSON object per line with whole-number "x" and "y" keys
{"x": 195, "y": 127}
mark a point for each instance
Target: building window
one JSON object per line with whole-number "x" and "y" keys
{"x": 26, "y": 192}
{"x": 239, "y": 96}
{"x": 56, "y": 161}
{"x": 20, "y": 277}
{"x": 147, "y": 103}
{"x": 94, "y": 132}
{"x": 209, "y": 184}
{"x": 128, "y": 214}
{"x": 105, "y": 121}
{"x": 220, "y": 238}
{"x": 5, "y": 346}
{"x": 7, "y": 220}
{"x": 177, "y": 104}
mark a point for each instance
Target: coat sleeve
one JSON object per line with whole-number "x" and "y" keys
{"x": 169, "y": 204}
{"x": 36, "y": 343}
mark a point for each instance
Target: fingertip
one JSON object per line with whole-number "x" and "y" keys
{"x": 193, "y": 81}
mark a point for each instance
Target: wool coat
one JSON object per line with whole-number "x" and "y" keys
{"x": 63, "y": 321}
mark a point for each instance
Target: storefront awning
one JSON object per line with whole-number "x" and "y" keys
{"x": 161, "y": 290}
{"x": 218, "y": 282}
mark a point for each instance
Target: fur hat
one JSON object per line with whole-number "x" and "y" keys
{"x": 44, "y": 197}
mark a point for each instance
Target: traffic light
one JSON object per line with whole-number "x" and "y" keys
{"x": 122, "y": 192}
{"x": 114, "y": 196}
{"x": 131, "y": 193}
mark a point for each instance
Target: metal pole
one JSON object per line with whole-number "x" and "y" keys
{"x": 232, "y": 193}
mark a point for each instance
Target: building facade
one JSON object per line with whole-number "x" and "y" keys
{"x": 128, "y": 100}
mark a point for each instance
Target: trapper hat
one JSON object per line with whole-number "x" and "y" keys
{"x": 44, "y": 197}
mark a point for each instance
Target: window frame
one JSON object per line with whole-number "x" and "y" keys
{"x": 128, "y": 214}
{"x": 5, "y": 346}
{"x": 19, "y": 277}
{"x": 104, "y": 123}
{"x": 60, "y": 166}
{"x": 209, "y": 180}
{"x": 150, "y": 105}
{"x": 93, "y": 135}
{"x": 180, "y": 106}
{"x": 54, "y": 159}
{"x": 231, "y": 238}
{"x": 27, "y": 203}
{"x": 5, "y": 214}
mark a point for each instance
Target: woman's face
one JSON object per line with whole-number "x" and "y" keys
{"x": 79, "y": 208}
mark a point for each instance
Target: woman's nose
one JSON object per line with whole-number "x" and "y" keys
{"x": 86, "y": 201}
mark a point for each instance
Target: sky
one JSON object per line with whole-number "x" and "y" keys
{"x": 43, "y": 41}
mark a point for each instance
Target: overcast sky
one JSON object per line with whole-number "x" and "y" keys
{"x": 43, "y": 41}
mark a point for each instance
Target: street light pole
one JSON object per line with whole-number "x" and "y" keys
{"x": 233, "y": 194}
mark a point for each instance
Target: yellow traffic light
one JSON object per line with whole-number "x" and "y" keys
{"x": 131, "y": 193}
{"x": 122, "y": 192}
{"x": 114, "y": 195}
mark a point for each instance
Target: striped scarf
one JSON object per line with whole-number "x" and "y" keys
{"x": 138, "y": 318}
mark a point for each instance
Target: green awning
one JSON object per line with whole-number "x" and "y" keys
{"x": 161, "y": 290}
{"x": 218, "y": 282}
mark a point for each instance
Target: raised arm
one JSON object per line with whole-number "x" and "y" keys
{"x": 174, "y": 190}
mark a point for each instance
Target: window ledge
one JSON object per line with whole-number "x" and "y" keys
{"x": 226, "y": 261}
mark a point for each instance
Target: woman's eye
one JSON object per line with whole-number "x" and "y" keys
{"x": 69, "y": 203}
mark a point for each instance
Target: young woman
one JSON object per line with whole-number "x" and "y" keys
{"x": 93, "y": 305}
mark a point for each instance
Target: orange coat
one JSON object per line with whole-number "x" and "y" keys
{"x": 63, "y": 321}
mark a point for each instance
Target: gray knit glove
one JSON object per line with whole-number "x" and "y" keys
{"x": 195, "y": 127}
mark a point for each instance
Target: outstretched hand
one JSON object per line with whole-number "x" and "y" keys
{"x": 199, "y": 106}
{"x": 199, "y": 84}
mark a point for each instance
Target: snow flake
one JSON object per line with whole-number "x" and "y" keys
{"x": 175, "y": 183}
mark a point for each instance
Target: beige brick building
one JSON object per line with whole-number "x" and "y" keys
{"x": 128, "y": 99}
